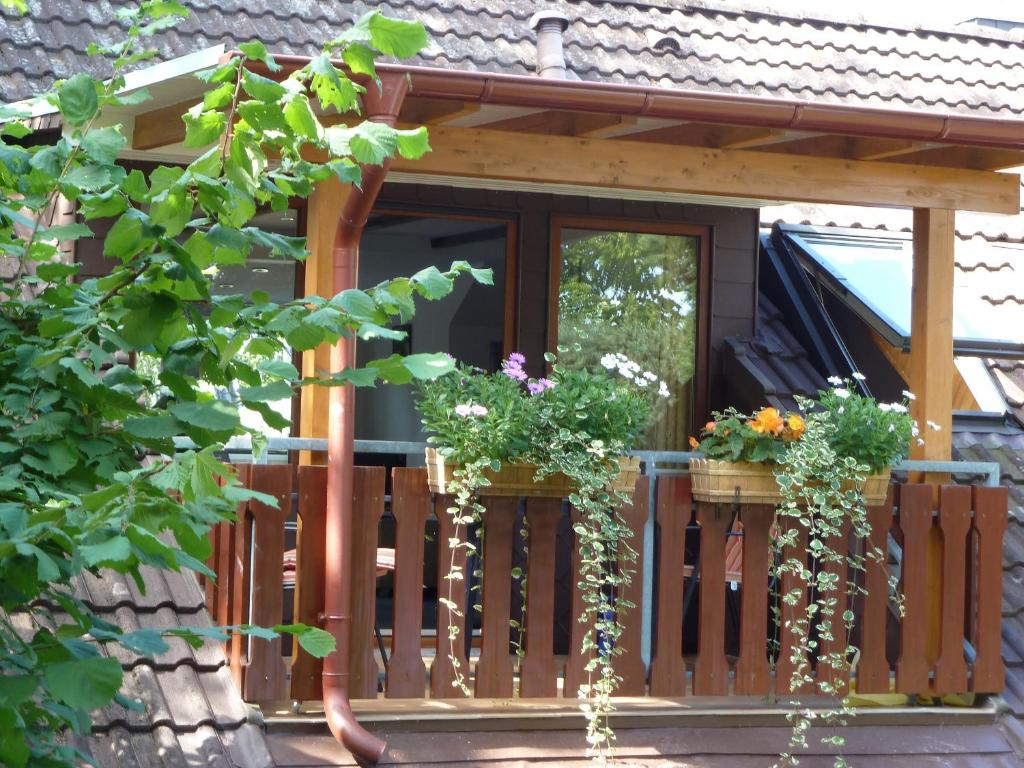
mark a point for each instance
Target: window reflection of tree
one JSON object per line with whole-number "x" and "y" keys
{"x": 634, "y": 293}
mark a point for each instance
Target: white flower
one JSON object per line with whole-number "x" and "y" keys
{"x": 920, "y": 441}
{"x": 842, "y": 409}
{"x": 835, "y": 380}
{"x": 478, "y": 410}
{"x": 626, "y": 373}
{"x": 841, "y": 393}
{"x": 914, "y": 430}
{"x": 650, "y": 376}
{"x": 640, "y": 382}
{"x": 884, "y": 407}
{"x": 859, "y": 376}
{"x": 898, "y": 407}
{"x": 463, "y": 409}
{"x": 892, "y": 427}
{"x": 934, "y": 426}
{"x": 663, "y": 389}
{"x": 909, "y": 395}
{"x": 609, "y": 361}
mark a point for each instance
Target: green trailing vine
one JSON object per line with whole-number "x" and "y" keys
{"x": 575, "y": 423}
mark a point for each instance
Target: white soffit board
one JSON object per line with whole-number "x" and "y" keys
{"x": 503, "y": 185}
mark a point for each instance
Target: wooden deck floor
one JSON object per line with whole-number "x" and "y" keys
{"x": 651, "y": 734}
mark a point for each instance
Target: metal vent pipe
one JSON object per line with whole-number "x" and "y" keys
{"x": 550, "y": 55}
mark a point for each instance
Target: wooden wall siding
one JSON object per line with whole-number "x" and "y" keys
{"x": 967, "y": 521}
{"x": 734, "y": 234}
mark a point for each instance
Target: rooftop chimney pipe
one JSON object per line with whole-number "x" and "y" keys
{"x": 550, "y": 58}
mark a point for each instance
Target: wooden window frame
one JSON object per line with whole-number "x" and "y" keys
{"x": 699, "y": 406}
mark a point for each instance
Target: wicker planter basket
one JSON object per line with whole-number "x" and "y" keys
{"x": 754, "y": 483}
{"x": 728, "y": 481}
{"x": 517, "y": 479}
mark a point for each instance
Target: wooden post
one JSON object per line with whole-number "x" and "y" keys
{"x": 931, "y": 334}
{"x": 322, "y": 214}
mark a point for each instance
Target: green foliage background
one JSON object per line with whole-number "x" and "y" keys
{"x": 89, "y": 476}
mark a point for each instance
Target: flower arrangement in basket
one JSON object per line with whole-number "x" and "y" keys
{"x": 567, "y": 435}
{"x": 820, "y": 470}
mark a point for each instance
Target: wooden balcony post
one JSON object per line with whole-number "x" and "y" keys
{"x": 322, "y": 213}
{"x": 931, "y": 334}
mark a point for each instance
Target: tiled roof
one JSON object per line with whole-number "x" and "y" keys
{"x": 1009, "y": 377}
{"x": 713, "y": 45}
{"x": 193, "y": 714}
{"x": 1008, "y": 452}
{"x": 771, "y": 368}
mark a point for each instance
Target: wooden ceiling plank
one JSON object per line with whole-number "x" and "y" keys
{"x": 596, "y": 126}
{"x": 161, "y": 127}
{"x": 436, "y": 111}
{"x": 475, "y": 153}
{"x": 976, "y": 158}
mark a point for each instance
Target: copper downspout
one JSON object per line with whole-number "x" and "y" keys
{"x": 381, "y": 105}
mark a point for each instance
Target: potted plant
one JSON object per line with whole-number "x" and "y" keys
{"x": 567, "y": 434}
{"x": 739, "y": 455}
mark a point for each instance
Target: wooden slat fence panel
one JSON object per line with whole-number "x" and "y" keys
{"x": 248, "y": 557}
{"x": 265, "y": 676}
{"x": 410, "y": 505}
{"x": 442, "y": 674}
{"x": 873, "y": 669}
{"x": 674, "y": 508}
{"x": 711, "y": 670}
{"x": 990, "y": 519}
{"x": 955, "y": 522}
{"x": 915, "y": 519}
{"x": 494, "y": 670}
{"x": 753, "y": 674}
{"x": 367, "y": 509}
{"x": 307, "y": 683}
{"x": 630, "y": 663}
{"x": 539, "y": 674}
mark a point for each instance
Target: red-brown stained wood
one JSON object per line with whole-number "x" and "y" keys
{"x": 367, "y": 508}
{"x": 239, "y": 602}
{"x": 630, "y": 663}
{"x": 990, "y": 518}
{"x": 575, "y": 668}
{"x": 839, "y": 677}
{"x": 791, "y": 583}
{"x": 442, "y": 675}
{"x": 538, "y": 675}
{"x": 265, "y": 678}
{"x": 915, "y": 518}
{"x": 873, "y": 670}
{"x": 753, "y": 674}
{"x": 494, "y": 670}
{"x": 711, "y": 670}
{"x": 410, "y": 504}
{"x": 307, "y": 681}
{"x": 955, "y": 523}
{"x": 674, "y": 508}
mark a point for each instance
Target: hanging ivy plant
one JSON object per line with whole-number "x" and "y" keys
{"x": 577, "y": 423}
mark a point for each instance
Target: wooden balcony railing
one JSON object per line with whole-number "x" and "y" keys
{"x": 709, "y": 605}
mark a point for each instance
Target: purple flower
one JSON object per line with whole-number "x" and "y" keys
{"x": 513, "y": 367}
{"x": 536, "y": 387}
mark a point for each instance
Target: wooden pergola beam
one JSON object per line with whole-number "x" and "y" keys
{"x": 483, "y": 154}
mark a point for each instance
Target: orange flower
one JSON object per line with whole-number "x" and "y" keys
{"x": 767, "y": 420}
{"x": 710, "y": 426}
{"x": 795, "y": 426}
{"x": 694, "y": 442}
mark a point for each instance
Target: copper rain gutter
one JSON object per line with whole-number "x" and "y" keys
{"x": 699, "y": 106}
{"x": 381, "y": 106}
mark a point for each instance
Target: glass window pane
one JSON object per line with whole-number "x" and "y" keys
{"x": 635, "y": 294}
{"x": 469, "y": 323}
